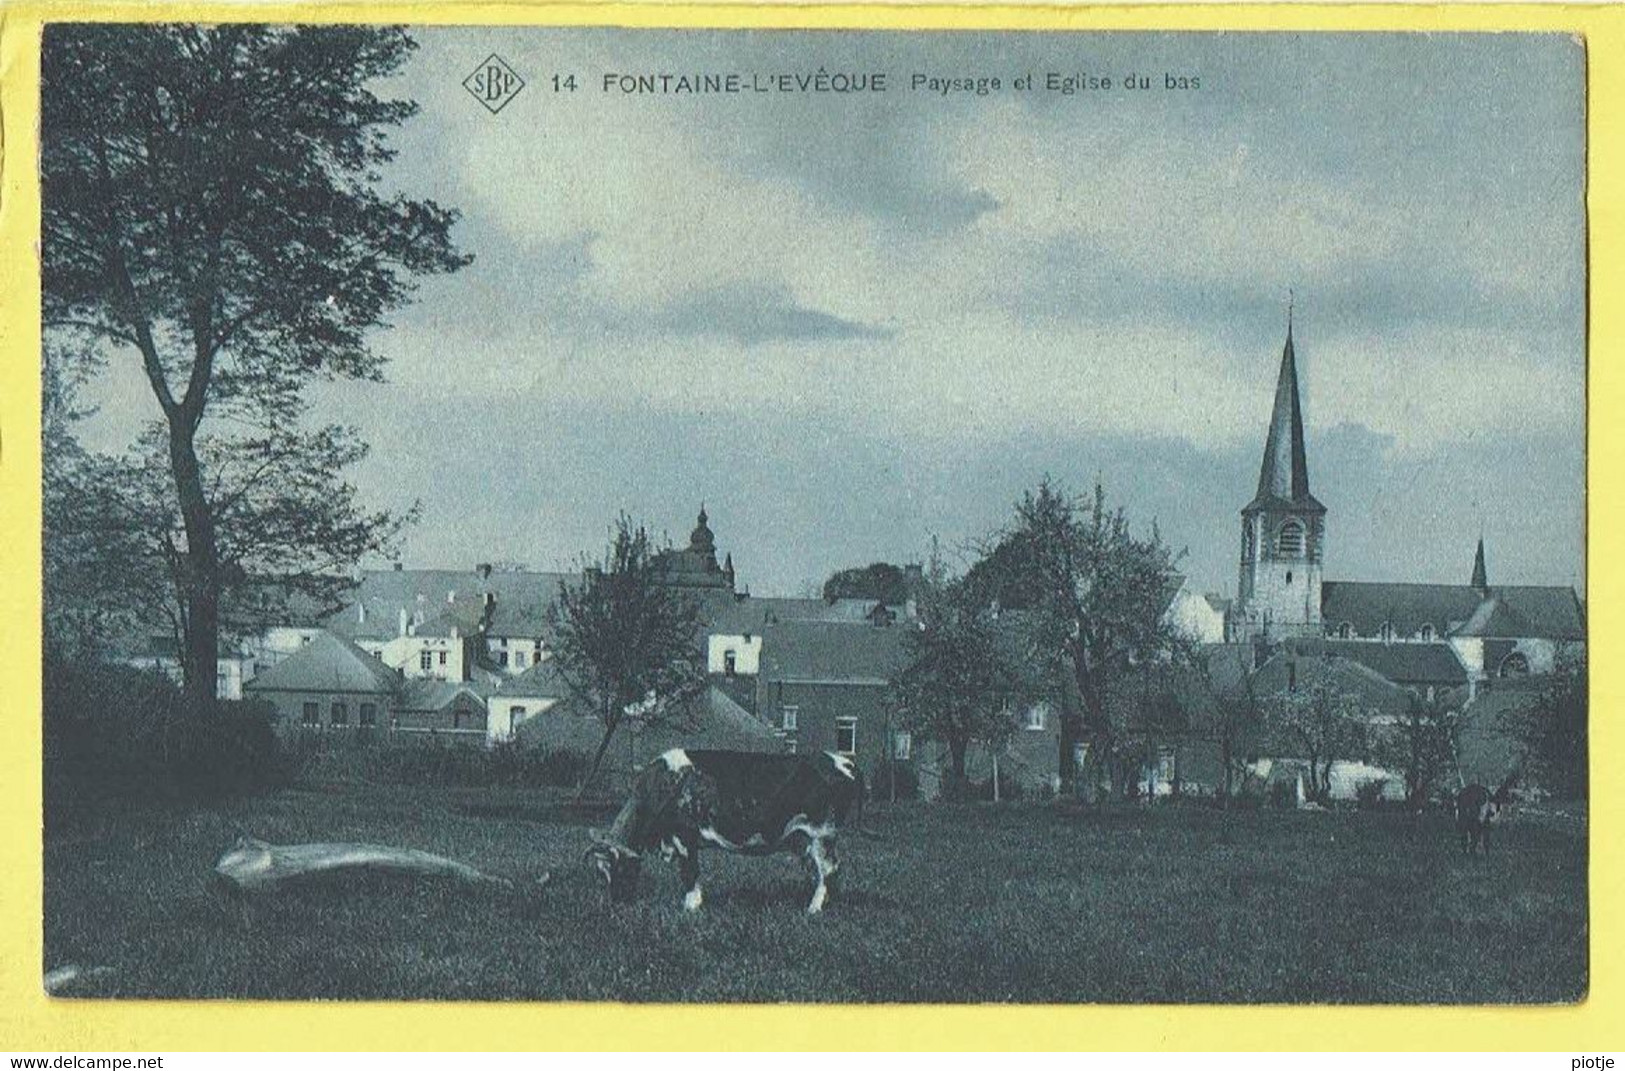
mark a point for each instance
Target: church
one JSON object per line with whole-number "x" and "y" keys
{"x": 1416, "y": 634}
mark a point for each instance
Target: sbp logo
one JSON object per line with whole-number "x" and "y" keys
{"x": 494, "y": 84}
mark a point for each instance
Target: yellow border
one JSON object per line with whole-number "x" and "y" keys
{"x": 29, "y": 1021}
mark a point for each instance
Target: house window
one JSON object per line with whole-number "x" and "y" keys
{"x": 339, "y": 715}
{"x": 1386, "y": 632}
{"x": 1431, "y": 693}
{"x": 519, "y": 660}
{"x": 312, "y": 715}
{"x": 846, "y": 735}
{"x": 787, "y": 718}
{"x": 442, "y": 658}
{"x": 1246, "y": 540}
{"x": 1345, "y": 631}
{"x": 516, "y": 713}
{"x": 1426, "y": 635}
{"x": 1290, "y": 541}
{"x": 789, "y": 745}
{"x": 1165, "y": 765}
{"x": 902, "y": 745}
{"x": 426, "y": 661}
{"x": 730, "y": 663}
{"x": 369, "y": 714}
{"x": 1515, "y": 664}
{"x": 502, "y": 659}
{"x": 1035, "y": 718}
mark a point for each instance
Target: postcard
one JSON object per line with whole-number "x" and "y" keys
{"x": 725, "y": 515}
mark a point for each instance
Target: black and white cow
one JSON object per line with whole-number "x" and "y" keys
{"x": 1476, "y": 808}
{"x": 756, "y": 804}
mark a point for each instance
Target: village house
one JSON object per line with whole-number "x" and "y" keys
{"x": 329, "y": 684}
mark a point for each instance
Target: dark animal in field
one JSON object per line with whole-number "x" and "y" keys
{"x": 1476, "y": 808}
{"x": 753, "y": 804}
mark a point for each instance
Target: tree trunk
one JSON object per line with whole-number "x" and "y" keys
{"x": 956, "y": 751}
{"x": 1225, "y": 760}
{"x": 200, "y": 582}
{"x": 597, "y": 758}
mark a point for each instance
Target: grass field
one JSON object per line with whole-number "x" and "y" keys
{"x": 1026, "y": 902}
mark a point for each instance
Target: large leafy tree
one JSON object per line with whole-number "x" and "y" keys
{"x": 625, "y": 642}
{"x": 1098, "y": 592}
{"x": 1554, "y": 730}
{"x": 966, "y": 667}
{"x": 880, "y": 581}
{"x": 213, "y": 211}
{"x": 1419, "y": 745}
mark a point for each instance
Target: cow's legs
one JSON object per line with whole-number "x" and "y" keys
{"x": 823, "y": 860}
{"x": 688, "y": 869}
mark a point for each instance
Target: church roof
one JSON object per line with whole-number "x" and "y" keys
{"x": 1400, "y": 663}
{"x": 328, "y": 663}
{"x": 1283, "y": 478}
{"x": 1542, "y": 612}
{"x": 1522, "y": 612}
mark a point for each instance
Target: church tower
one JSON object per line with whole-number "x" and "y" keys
{"x": 1283, "y": 529}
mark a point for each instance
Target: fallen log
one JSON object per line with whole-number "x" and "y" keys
{"x": 253, "y": 866}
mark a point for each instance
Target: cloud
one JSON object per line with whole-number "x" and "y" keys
{"x": 749, "y": 314}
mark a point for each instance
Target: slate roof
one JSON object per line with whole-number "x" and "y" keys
{"x": 1402, "y": 663}
{"x": 328, "y": 663}
{"x": 426, "y": 694}
{"x": 1283, "y": 477}
{"x": 825, "y": 652}
{"x": 540, "y": 681}
{"x": 520, "y": 607}
{"x": 1546, "y": 612}
{"x": 723, "y": 723}
{"x": 752, "y": 615}
{"x": 1551, "y": 613}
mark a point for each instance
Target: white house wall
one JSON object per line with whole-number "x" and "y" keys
{"x": 747, "y": 654}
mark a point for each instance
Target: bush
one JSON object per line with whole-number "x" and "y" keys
{"x": 508, "y": 763}
{"x": 1284, "y": 794}
{"x": 1369, "y": 794}
{"x": 117, "y": 732}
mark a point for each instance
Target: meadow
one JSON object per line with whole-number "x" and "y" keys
{"x": 1019, "y": 902}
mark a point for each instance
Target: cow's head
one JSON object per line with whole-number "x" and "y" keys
{"x": 617, "y": 865}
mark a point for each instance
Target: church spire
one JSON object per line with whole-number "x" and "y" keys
{"x": 1285, "y": 471}
{"x": 1481, "y": 580}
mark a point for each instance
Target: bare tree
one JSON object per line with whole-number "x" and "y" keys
{"x": 625, "y": 641}
{"x": 1319, "y": 722}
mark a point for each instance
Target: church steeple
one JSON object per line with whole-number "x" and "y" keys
{"x": 1284, "y": 474}
{"x": 1283, "y": 529}
{"x": 1481, "y": 580}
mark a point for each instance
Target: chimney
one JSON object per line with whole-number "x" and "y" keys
{"x": 361, "y": 612}
{"x": 397, "y": 567}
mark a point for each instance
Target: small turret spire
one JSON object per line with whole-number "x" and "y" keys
{"x": 1481, "y": 580}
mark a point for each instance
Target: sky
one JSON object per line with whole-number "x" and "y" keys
{"x": 850, "y": 323}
